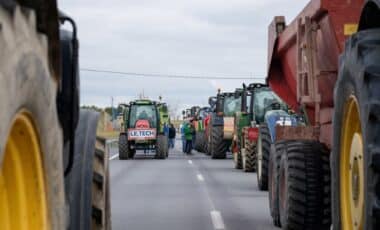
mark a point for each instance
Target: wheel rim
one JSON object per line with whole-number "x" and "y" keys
{"x": 352, "y": 168}
{"x": 22, "y": 186}
{"x": 259, "y": 157}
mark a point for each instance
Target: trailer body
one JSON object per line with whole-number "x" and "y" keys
{"x": 303, "y": 61}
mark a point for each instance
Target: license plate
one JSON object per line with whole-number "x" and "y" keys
{"x": 141, "y": 134}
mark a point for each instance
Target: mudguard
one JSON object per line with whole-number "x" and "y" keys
{"x": 228, "y": 128}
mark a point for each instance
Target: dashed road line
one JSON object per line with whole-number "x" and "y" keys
{"x": 216, "y": 216}
{"x": 217, "y": 220}
{"x": 114, "y": 156}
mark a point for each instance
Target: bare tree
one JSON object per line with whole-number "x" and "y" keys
{"x": 174, "y": 107}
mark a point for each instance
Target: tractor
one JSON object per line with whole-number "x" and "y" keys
{"x": 53, "y": 168}
{"x": 163, "y": 116}
{"x": 212, "y": 103}
{"x": 260, "y": 106}
{"x": 221, "y": 123}
{"x": 144, "y": 129}
{"x": 325, "y": 65}
{"x": 200, "y": 138}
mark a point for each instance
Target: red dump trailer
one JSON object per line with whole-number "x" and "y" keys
{"x": 326, "y": 65}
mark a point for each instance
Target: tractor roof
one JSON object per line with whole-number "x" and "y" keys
{"x": 254, "y": 86}
{"x": 228, "y": 94}
{"x": 143, "y": 102}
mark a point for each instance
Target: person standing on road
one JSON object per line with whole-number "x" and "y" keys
{"x": 166, "y": 129}
{"x": 182, "y": 130}
{"x": 189, "y": 137}
{"x": 172, "y": 133}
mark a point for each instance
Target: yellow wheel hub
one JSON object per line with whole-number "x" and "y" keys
{"x": 23, "y": 202}
{"x": 351, "y": 168}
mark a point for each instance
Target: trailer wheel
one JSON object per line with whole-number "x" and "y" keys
{"x": 355, "y": 153}
{"x": 262, "y": 155}
{"x": 277, "y": 150}
{"x": 31, "y": 165}
{"x": 87, "y": 182}
{"x": 218, "y": 145}
{"x": 161, "y": 147}
{"x": 249, "y": 156}
{"x": 125, "y": 152}
{"x": 304, "y": 186}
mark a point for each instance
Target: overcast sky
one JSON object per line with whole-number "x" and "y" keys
{"x": 185, "y": 37}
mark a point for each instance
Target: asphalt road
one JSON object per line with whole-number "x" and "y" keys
{"x": 185, "y": 193}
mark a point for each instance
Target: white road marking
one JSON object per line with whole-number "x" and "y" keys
{"x": 114, "y": 156}
{"x": 190, "y": 162}
{"x": 200, "y": 177}
{"x": 217, "y": 220}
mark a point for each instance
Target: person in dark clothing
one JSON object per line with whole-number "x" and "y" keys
{"x": 172, "y": 133}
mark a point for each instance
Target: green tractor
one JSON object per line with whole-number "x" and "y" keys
{"x": 221, "y": 123}
{"x": 199, "y": 124}
{"x": 261, "y": 111}
{"x": 144, "y": 126}
{"x": 242, "y": 119}
{"x": 257, "y": 100}
{"x": 163, "y": 114}
{"x": 259, "y": 106}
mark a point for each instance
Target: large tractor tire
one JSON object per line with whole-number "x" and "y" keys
{"x": 125, "y": 152}
{"x": 304, "y": 186}
{"x": 89, "y": 208}
{"x": 32, "y": 194}
{"x": 355, "y": 152}
{"x": 202, "y": 138}
{"x": 238, "y": 160}
{"x": 197, "y": 145}
{"x": 277, "y": 150}
{"x": 218, "y": 145}
{"x": 249, "y": 156}
{"x": 162, "y": 147}
{"x": 262, "y": 157}
{"x": 208, "y": 141}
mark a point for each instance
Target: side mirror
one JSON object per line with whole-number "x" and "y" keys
{"x": 212, "y": 101}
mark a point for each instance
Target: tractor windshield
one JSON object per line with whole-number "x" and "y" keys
{"x": 264, "y": 101}
{"x": 143, "y": 112}
{"x": 231, "y": 105}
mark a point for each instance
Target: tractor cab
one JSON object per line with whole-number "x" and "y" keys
{"x": 228, "y": 103}
{"x": 144, "y": 129}
{"x": 143, "y": 114}
{"x": 262, "y": 100}
{"x": 203, "y": 113}
{"x": 194, "y": 111}
{"x": 164, "y": 118}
